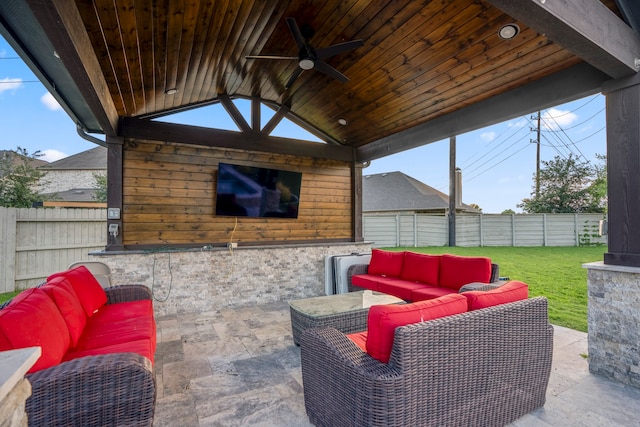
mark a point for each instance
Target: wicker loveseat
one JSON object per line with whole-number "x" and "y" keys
{"x": 96, "y": 367}
{"x": 486, "y": 367}
{"x": 415, "y": 277}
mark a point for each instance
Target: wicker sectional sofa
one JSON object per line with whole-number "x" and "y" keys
{"x": 96, "y": 367}
{"x": 415, "y": 277}
{"x": 487, "y": 365}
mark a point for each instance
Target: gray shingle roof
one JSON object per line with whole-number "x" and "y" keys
{"x": 395, "y": 191}
{"x": 95, "y": 158}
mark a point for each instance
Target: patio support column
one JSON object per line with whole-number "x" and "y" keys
{"x": 623, "y": 169}
{"x": 115, "y": 146}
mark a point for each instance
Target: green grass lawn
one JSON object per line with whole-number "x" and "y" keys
{"x": 554, "y": 272}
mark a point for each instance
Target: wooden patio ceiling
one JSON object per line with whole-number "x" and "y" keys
{"x": 426, "y": 69}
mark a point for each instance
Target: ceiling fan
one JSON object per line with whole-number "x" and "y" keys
{"x": 309, "y": 57}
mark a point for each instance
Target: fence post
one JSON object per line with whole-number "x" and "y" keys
{"x": 575, "y": 227}
{"x": 481, "y": 231}
{"x": 513, "y": 230}
{"x": 7, "y": 249}
{"x": 544, "y": 229}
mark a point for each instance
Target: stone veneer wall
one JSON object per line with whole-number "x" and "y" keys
{"x": 613, "y": 319}
{"x": 188, "y": 281}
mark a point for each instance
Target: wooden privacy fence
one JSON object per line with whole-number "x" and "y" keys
{"x": 37, "y": 242}
{"x": 484, "y": 230}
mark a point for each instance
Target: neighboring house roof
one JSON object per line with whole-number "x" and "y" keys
{"x": 395, "y": 191}
{"x": 15, "y": 158}
{"x": 95, "y": 158}
{"x": 74, "y": 195}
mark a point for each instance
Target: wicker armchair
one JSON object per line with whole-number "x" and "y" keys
{"x": 482, "y": 368}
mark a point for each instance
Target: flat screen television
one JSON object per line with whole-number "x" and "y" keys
{"x": 257, "y": 192}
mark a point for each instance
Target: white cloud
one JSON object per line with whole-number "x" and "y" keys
{"x": 554, "y": 119}
{"x": 50, "y": 102}
{"x": 9, "y": 83}
{"x": 518, "y": 124}
{"x": 52, "y": 155}
{"x": 488, "y": 136}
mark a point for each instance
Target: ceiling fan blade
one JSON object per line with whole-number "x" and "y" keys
{"x": 293, "y": 77}
{"x": 335, "y": 49}
{"x": 297, "y": 35}
{"x": 327, "y": 69}
{"x": 269, "y": 57}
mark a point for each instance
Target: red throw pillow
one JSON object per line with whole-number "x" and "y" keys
{"x": 509, "y": 292}
{"x": 62, "y": 294}
{"x": 384, "y": 263}
{"x": 456, "y": 271}
{"x": 421, "y": 268}
{"x": 86, "y": 287}
{"x": 31, "y": 319}
{"x": 384, "y": 319}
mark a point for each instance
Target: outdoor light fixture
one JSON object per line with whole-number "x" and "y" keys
{"x": 508, "y": 31}
{"x": 306, "y": 64}
{"x": 171, "y": 91}
{"x": 343, "y": 122}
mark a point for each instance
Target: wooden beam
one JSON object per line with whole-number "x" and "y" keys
{"x": 251, "y": 141}
{"x": 61, "y": 22}
{"x": 586, "y": 28}
{"x": 568, "y": 85}
{"x": 234, "y": 113}
{"x": 255, "y": 114}
{"x": 276, "y": 119}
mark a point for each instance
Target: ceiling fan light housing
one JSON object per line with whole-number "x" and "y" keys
{"x": 306, "y": 63}
{"x": 508, "y": 31}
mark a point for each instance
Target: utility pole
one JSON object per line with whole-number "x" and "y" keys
{"x": 452, "y": 191}
{"x": 537, "y": 141}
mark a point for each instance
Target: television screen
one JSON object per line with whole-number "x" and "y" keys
{"x": 257, "y": 192}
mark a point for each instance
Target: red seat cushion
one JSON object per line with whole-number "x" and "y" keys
{"x": 360, "y": 339}
{"x": 87, "y": 288}
{"x": 367, "y": 281}
{"x": 385, "y": 263}
{"x": 62, "y": 294}
{"x": 142, "y": 347}
{"x": 98, "y": 334}
{"x": 384, "y": 319}
{"x": 509, "y": 292}
{"x": 398, "y": 287}
{"x": 456, "y": 271}
{"x": 430, "y": 292}
{"x": 32, "y": 319}
{"x": 421, "y": 268}
{"x": 110, "y": 313}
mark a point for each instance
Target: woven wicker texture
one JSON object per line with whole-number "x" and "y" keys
{"x": 483, "y": 368}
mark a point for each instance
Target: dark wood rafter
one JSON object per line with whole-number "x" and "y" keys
{"x": 170, "y": 132}
{"x": 256, "y": 122}
{"x": 234, "y": 113}
{"x": 275, "y": 120}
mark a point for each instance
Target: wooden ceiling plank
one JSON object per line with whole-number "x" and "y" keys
{"x": 587, "y": 28}
{"x": 133, "y": 50}
{"x": 159, "y": 36}
{"x": 567, "y": 85}
{"x": 175, "y": 22}
{"x": 145, "y": 24}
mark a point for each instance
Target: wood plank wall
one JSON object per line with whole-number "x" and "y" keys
{"x": 169, "y": 198}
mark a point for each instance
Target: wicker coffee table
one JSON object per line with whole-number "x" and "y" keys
{"x": 345, "y": 312}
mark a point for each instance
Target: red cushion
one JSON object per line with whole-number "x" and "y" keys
{"x": 142, "y": 347}
{"x": 509, "y": 292}
{"x": 384, "y": 263}
{"x": 32, "y": 319}
{"x": 398, "y": 287}
{"x": 457, "y": 271}
{"x": 421, "y": 268}
{"x": 367, "y": 281}
{"x": 123, "y": 310}
{"x": 87, "y": 288}
{"x": 384, "y": 319}
{"x": 62, "y": 294}
{"x": 97, "y": 335}
{"x": 430, "y": 292}
{"x": 360, "y": 339}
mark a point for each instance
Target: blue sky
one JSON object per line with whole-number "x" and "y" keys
{"x": 498, "y": 162}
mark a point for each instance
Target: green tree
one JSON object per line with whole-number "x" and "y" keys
{"x": 508, "y": 212}
{"x": 598, "y": 187}
{"x": 19, "y": 179}
{"x": 101, "y": 187}
{"x": 565, "y": 187}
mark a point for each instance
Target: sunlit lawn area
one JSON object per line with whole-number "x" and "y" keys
{"x": 554, "y": 272}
